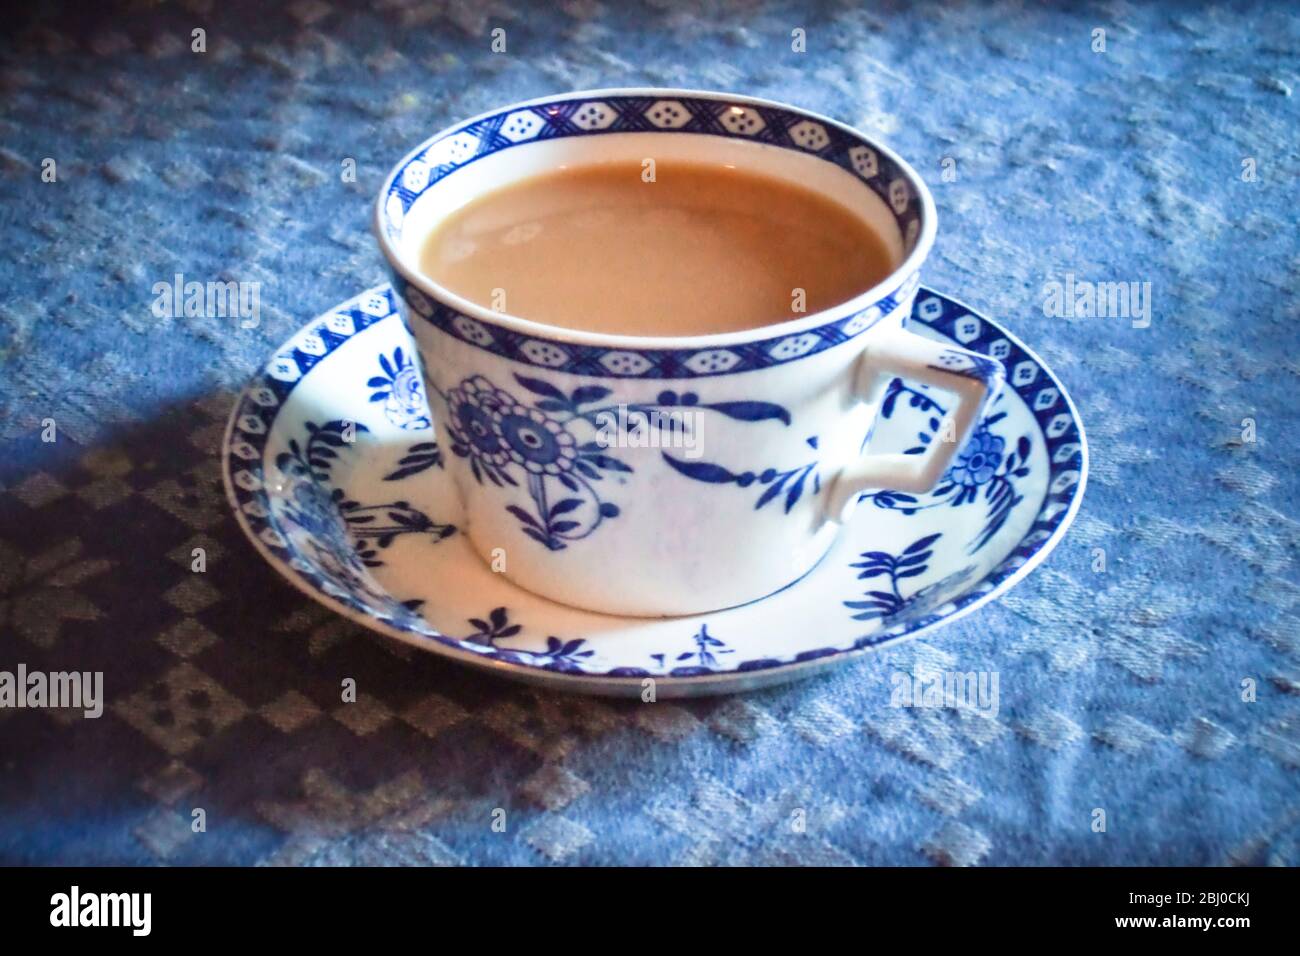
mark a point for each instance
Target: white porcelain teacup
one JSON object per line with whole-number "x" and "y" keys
{"x": 666, "y": 476}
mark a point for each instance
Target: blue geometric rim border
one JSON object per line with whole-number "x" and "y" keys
{"x": 710, "y": 116}
{"x": 568, "y": 117}
{"x": 596, "y": 361}
{"x": 255, "y": 412}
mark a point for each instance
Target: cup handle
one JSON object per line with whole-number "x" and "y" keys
{"x": 975, "y": 379}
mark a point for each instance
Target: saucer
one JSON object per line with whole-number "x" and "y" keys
{"x": 334, "y": 472}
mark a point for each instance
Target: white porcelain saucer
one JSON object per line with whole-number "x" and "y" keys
{"x": 334, "y": 473}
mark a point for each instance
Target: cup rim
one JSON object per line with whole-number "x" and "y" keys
{"x": 437, "y": 292}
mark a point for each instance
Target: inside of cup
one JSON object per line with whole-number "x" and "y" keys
{"x": 491, "y": 152}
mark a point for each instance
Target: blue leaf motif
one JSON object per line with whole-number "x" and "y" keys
{"x": 589, "y": 393}
{"x": 909, "y": 563}
{"x": 772, "y": 491}
{"x": 922, "y": 544}
{"x": 565, "y": 506}
{"x": 538, "y": 387}
{"x": 752, "y": 411}
{"x": 522, "y": 515}
{"x": 701, "y": 470}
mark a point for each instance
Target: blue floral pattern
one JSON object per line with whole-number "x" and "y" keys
{"x": 912, "y": 562}
{"x": 419, "y": 457}
{"x": 316, "y": 455}
{"x": 982, "y": 469}
{"x": 296, "y": 526}
{"x": 704, "y": 656}
{"x": 548, "y": 446}
{"x": 892, "y": 606}
{"x": 346, "y": 527}
{"x": 509, "y": 443}
{"x": 377, "y": 526}
{"x": 792, "y": 481}
{"x": 401, "y": 391}
{"x": 559, "y": 654}
{"x": 978, "y": 462}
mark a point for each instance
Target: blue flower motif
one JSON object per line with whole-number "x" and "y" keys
{"x": 405, "y": 405}
{"x": 535, "y": 440}
{"x": 979, "y": 461}
{"x": 474, "y": 407}
{"x": 401, "y": 390}
{"x": 983, "y": 469}
{"x": 557, "y": 448}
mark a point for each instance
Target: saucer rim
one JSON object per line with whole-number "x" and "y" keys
{"x": 608, "y": 684}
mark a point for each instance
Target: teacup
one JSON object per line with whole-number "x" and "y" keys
{"x": 656, "y": 476}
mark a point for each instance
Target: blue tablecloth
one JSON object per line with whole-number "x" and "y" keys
{"x": 1163, "y": 151}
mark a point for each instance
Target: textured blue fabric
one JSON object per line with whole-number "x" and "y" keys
{"x": 1170, "y": 158}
